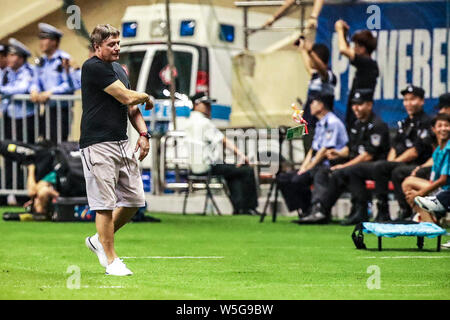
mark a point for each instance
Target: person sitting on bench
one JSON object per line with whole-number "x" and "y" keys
{"x": 205, "y": 155}
{"x": 417, "y": 187}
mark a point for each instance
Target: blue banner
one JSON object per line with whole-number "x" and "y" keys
{"x": 413, "y": 47}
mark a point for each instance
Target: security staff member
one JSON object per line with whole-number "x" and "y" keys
{"x": 330, "y": 133}
{"x": 19, "y": 81}
{"x": 3, "y": 64}
{"x": 368, "y": 141}
{"x": 18, "y": 116}
{"x": 206, "y": 144}
{"x": 52, "y": 79}
{"x": 412, "y": 146}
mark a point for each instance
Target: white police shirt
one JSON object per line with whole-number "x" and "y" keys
{"x": 205, "y": 142}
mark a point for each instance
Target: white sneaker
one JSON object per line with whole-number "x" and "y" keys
{"x": 118, "y": 268}
{"x": 446, "y": 245}
{"x": 96, "y": 247}
{"x": 429, "y": 204}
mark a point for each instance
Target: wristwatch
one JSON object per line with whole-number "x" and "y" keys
{"x": 145, "y": 134}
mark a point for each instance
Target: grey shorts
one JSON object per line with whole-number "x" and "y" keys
{"x": 112, "y": 175}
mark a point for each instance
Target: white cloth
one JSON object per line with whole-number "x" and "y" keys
{"x": 204, "y": 141}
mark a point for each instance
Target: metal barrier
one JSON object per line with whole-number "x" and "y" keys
{"x": 40, "y": 122}
{"x": 255, "y": 143}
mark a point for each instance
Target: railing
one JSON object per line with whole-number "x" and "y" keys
{"x": 37, "y": 125}
{"x": 261, "y": 146}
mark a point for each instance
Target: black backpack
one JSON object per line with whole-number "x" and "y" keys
{"x": 69, "y": 170}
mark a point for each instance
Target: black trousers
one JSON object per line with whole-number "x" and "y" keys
{"x": 337, "y": 184}
{"x": 296, "y": 189}
{"x": 26, "y": 153}
{"x": 242, "y": 185}
{"x": 381, "y": 172}
{"x": 444, "y": 198}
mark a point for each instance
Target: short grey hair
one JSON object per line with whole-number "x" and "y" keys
{"x": 102, "y": 32}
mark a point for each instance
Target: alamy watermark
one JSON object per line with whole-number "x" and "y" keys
{"x": 373, "y": 22}
{"x": 74, "y": 19}
{"x": 74, "y": 280}
{"x": 374, "y": 281}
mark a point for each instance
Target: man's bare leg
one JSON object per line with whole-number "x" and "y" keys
{"x": 122, "y": 216}
{"x": 105, "y": 228}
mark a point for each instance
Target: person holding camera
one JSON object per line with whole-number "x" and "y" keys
{"x": 323, "y": 81}
{"x": 360, "y": 57}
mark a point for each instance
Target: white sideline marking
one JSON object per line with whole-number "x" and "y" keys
{"x": 409, "y": 257}
{"x": 183, "y": 257}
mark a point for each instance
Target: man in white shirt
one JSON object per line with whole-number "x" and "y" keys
{"x": 206, "y": 144}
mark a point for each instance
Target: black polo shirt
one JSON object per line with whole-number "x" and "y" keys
{"x": 104, "y": 118}
{"x": 415, "y": 132}
{"x": 371, "y": 136}
{"x": 365, "y": 78}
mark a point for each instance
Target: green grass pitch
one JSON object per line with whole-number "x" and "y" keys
{"x": 218, "y": 257}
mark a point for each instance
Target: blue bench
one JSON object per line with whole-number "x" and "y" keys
{"x": 392, "y": 230}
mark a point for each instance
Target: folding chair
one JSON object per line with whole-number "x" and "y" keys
{"x": 203, "y": 181}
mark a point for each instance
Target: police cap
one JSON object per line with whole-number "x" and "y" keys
{"x": 47, "y": 31}
{"x": 17, "y": 47}
{"x": 444, "y": 101}
{"x": 417, "y": 91}
{"x": 202, "y": 97}
{"x": 3, "y": 48}
{"x": 362, "y": 95}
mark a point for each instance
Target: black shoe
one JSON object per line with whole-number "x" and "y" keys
{"x": 11, "y": 216}
{"x": 350, "y": 215}
{"x": 150, "y": 219}
{"x": 252, "y": 212}
{"x": 382, "y": 212}
{"x": 405, "y": 214}
{"x": 315, "y": 218}
{"x": 361, "y": 215}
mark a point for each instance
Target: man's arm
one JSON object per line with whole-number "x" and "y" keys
{"x": 232, "y": 147}
{"x": 363, "y": 157}
{"x": 126, "y": 96}
{"x": 391, "y": 155}
{"x": 407, "y": 156}
{"x": 320, "y": 155}
{"x": 307, "y": 54}
{"x": 280, "y": 12}
{"x": 333, "y": 154}
{"x": 341, "y": 28}
{"x": 138, "y": 122}
{"x": 31, "y": 181}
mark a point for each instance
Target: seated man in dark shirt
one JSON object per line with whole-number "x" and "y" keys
{"x": 368, "y": 141}
{"x": 360, "y": 57}
{"x": 412, "y": 146}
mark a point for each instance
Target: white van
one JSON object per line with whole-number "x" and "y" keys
{"x": 205, "y": 38}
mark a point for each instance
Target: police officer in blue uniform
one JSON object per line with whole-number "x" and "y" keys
{"x": 18, "y": 115}
{"x": 330, "y": 133}
{"x": 52, "y": 78}
{"x": 368, "y": 142}
{"x": 3, "y": 64}
{"x": 19, "y": 80}
{"x": 411, "y": 147}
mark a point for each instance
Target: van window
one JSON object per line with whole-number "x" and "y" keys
{"x": 133, "y": 61}
{"x": 158, "y": 78}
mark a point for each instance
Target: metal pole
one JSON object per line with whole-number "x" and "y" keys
{"x": 171, "y": 62}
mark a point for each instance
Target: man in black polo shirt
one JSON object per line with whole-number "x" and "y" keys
{"x": 368, "y": 141}
{"x": 412, "y": 146}
{"x": 113, "y": 182}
